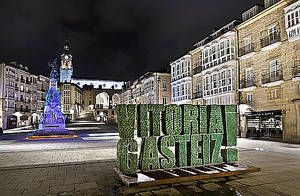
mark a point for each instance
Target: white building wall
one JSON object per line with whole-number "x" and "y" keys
{"x": 181, "y": 80}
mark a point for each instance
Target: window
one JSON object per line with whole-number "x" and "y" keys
{"x": 66, "y": 100}
{"x": 274, "y": 68}
{"x": 275, "y": 94}
{"x": 66, "y": 87}
{"x": 164, "y": 100}
{"x": 293, "y": 19}
{"x": 164, "y": 86}
{"x": 250, "y": 97}
{"x": 272, "y": 33}
{"x": 249, "y": 75}
{"x": 247, "y": 42}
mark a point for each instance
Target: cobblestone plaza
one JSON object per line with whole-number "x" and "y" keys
{"x": 84, "y": 167}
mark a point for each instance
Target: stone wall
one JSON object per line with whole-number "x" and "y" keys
{"x": 286, "y": 52}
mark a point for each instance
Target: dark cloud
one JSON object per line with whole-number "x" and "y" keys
{"x": 110, "y": 39}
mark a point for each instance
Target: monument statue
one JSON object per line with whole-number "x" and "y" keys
{"x": 52, "y": 121}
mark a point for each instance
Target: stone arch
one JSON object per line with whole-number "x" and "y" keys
{"x": 102, "y": 100}
{"x": 116, "y": 99}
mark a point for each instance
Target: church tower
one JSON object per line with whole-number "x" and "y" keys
{"x": 66, "y": 68}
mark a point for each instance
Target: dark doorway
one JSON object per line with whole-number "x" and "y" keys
{"x": 11, "y": 122}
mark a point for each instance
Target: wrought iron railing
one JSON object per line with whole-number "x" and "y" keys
{"x": 270, "y": 39}
{"x": 197, "y": 95}
{"x": 197, "y": 70}
{"x": 246, "y": 49}
{"x": 271, "y": 77}
{"x": 246, "y": 83}
{"x": 296, "y": 69}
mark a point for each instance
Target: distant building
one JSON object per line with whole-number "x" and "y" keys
{"x": 71, "y": 100}
{"x": 21, "y": 94}
{"x": 101, "y": 102}
{"x": 103, "y": 84}
{"x": 81, "y": 95}
{"x": 151, "y": 88}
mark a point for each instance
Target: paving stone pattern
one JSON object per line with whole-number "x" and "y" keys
{"x": 280, "y": 175}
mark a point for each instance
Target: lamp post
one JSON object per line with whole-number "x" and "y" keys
{"x": 157, "y": 79}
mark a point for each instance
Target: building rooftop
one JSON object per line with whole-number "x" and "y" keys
{"x": 218, "y": 32}
{"x": 17, "y": 66}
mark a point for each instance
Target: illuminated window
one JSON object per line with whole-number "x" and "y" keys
{"x": 250, "y": 97}
{"x": 275, "y": 94}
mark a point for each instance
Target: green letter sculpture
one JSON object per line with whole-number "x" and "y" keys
{"x": 169, "y": 160}
{"x": 216, "y": 121}
{"x": 190, "y": 119}
{"x": 181, "y": 149}
{"x": 126, "y": 119}
{"x": 127, "y": 161}
{"x": 173, "y": 120}
{"x": 149, "y": 154}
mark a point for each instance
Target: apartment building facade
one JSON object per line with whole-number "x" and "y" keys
{"x": 21, "y": 103}
{"x": 181, "y": 80}
{"x": 215, "y": 64}
{"x": 197, "y": 88}
{"x": 71, "y": 100}
{"x": 151, "y": 88}
{"x": 269, "y": 72}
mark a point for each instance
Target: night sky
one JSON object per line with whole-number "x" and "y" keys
{"x": 109, "y": 39}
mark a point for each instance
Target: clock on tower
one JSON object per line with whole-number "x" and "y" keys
{"x": 66, "y": 68}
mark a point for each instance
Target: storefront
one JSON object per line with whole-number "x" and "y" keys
{"x": 11, "y": 122}
{"x": 264, "y": 125}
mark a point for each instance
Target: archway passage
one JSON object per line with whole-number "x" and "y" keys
{"x": 102, "y": 101}
{"x": 116, "y": 99}
{"x": 102, "y": 107}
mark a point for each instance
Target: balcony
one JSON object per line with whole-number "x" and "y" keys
{"x": 197, "y": 70}
{"x": 272, "y": 78}
{"x": 197, "y": 95}
{"x": 296, "y": 70}
{"x": 271, "y": 41}
{"x": 178, "y": 77}
{"x": 218, "y": 61}
{"x": 248, "y": 84}
{"x": 246, "y": 50}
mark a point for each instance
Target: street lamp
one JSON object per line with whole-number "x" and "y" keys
{"x": 157, "y": 79}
